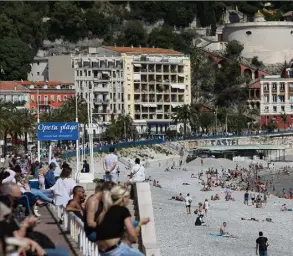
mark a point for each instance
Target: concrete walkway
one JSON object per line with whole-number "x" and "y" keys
{"x": 51, "y": 228}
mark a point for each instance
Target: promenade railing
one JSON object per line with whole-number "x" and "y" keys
{"x": 75, "y": 227}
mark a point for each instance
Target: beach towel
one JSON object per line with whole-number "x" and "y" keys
{"x": 228, "y": 236}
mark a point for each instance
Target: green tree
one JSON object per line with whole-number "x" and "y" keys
{"x": 134, "y": 34}
{"x": 67, "y": 21}
{"x": 96, "y": 22}
{"x": 121, "y": 128}
{"x": 15, "y": 59}
{"x": 234, "y": 50}
{"x": 183, "y": 115}
{"x": 255, "y": 62}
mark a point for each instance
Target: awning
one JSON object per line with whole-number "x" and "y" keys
{"x": 176, "y": 105}
{"x": 150, "y": 105}
{"x": 137, "y": 77}
{"x": 178, "y": 86}
{"x": 137, "y": 65}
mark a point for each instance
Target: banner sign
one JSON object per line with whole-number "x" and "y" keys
{"x": 57, "y": 131}
{"x": 224, "y": 142}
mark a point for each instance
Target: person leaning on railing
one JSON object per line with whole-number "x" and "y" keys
{"x": 115, "y": 219}
{"x": 93, "y": 209}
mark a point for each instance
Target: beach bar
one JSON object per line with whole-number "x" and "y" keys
{"x": 243, "y": 150}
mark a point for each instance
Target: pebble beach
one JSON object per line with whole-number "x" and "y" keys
{"x": 177, "y": 234}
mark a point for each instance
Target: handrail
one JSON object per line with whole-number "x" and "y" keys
{"x": 75, "y": 227}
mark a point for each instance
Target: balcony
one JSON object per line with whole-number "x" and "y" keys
{"x": 101, "y": 89}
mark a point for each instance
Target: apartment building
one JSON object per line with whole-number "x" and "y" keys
{"x": 11, "y": 91}
{"x": 147, "y": 83}
{"x": 276, "y": 99}
{"x": 51, "y": 68}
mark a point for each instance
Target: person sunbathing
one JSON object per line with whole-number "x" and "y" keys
{"x": 215, "y": 197}
{"x": 223, "y": 230}
{"x": 192, "y": 176}
{"x": 177, "y": 198}
{"x": 284, "y": 208}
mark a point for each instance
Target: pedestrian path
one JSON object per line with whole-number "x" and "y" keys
{"x": 50, "y": 227}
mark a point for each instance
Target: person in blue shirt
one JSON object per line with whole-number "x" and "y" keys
{"x": 50, "y": 179}
{"x": 85, "y": 167}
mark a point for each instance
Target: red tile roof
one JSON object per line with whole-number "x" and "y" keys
{"x": 11, "y": 85}
{"x": 141, "y": 50}
{"x": 255, "y": 84}
{"x": 288, "y": 14}
{"x": 23, "y": 85}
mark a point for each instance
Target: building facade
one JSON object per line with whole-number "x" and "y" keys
{"x": 276, "y": 101}
{"x": 271, "y": 41}
{"x": 11, "y": 91}
{"x": 146, "y": 83}
{"x": 52, "y": 68}
{"x": 39, "y": 69}
{"x": 46, "y": 95}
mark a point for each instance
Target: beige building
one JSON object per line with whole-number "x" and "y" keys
{"x": 147, "y": 83}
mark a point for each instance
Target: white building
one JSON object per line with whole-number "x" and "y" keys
{"x": 276, "y": 99}
{"x": 39, "y": 70}
{"x": 147, "y": 83}
{"x": 271, "y": 41}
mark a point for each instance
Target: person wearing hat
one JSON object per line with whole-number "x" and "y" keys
{"x": 50, "y": 179}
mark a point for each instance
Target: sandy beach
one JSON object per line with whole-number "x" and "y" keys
{"x": 178, "y": 235}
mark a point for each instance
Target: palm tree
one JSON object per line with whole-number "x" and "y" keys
{"x": 183, "y": 115}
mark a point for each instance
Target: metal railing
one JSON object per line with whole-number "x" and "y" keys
{"x": 75, "y": 227}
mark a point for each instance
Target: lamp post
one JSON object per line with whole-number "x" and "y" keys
{"x": 38, "y": 113}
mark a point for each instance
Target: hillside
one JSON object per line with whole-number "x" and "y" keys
{"x": 26, "y": 27}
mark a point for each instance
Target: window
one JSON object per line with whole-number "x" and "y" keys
{"x": 58, "y": 98}
{"x": 89, "y": 73}
{"x": 38, "y": 63}
{"x": 266, "y": 98}
{"x": 39, "y": 99}
{"x": 32, "y": 98}
{"x": 266, "y": 87}
{"x": 274, "y": 86}
{"x": 77, "y": 73}
{"x": 282, "y": 98}
{"x": 52, "y": 99}
{"x": 274, "y": 98}
{"x": 248, "y": 33}
{"x": 283, "y": 108}
{"x": 80, "y": 72}
{"x": 282, "y": 87}
{"x": 266, "y": 109}
{"x": 45, "y": 100}
{"x": 292, "y": 32}
{"x": 38, "y": 73}
{"x": 128, "y": 96}
{"x": 65, "y": 98}
{"x": 275, "y": 109}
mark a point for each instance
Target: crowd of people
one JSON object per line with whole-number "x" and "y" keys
{"x": 107, "y": 220}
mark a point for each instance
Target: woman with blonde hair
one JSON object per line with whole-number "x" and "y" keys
{"x": 113, "y": 222}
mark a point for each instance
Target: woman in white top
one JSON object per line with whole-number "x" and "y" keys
{"x": 63, "y": 187}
